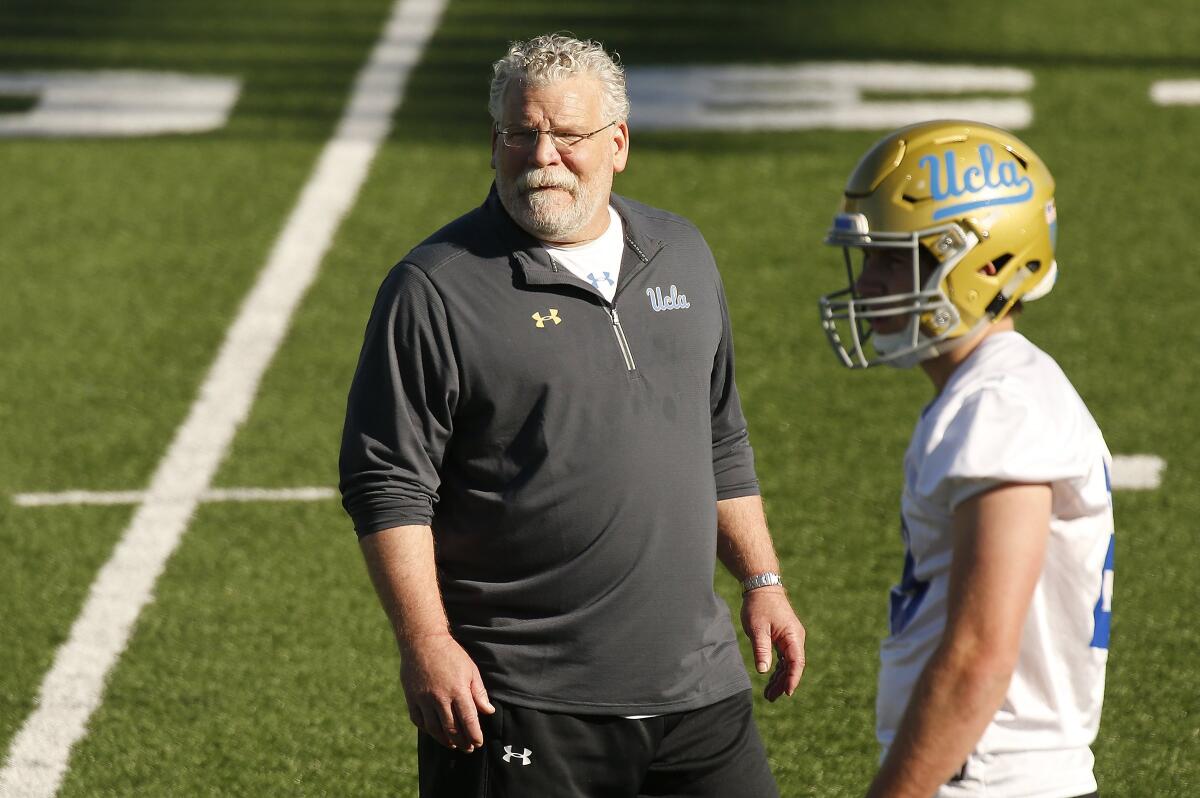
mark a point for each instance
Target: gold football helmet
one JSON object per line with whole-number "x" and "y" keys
{"x": 966, "y": 194}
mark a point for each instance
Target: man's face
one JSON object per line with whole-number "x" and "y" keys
{"x": 558, "y": 196}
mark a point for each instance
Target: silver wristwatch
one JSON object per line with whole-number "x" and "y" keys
{"x": 760, "y": 580}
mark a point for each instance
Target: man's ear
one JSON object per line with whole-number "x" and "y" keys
{"x": 989, "y": 269}
{"x": 495, "y": 139}
{"x": 620, "y": 143}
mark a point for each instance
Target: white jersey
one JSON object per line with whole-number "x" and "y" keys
{"x": 1008, "y": 414}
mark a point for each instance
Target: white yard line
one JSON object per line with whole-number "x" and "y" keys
{"x": 835, "y": 95}
{"x": 117, "y": 103}
{"x": 101, "y": 497}
{"x": 38, "y": 757}
{"x": 1137, "y": 471}
{"x": 65, "y": 497}
{"x": 1175, "y": 92}
{"x": 1129, "y": 472}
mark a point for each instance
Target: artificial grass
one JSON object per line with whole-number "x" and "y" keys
{"x": 264, "y": 666}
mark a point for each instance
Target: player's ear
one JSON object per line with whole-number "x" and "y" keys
{"x": 495, "y": 141}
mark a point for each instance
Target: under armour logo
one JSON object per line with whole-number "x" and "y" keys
{"x": 595, "y": 281}
{"x": 524, "y": 756}
{"x": 541, "y": 320}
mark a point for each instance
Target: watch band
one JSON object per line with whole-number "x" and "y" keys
{"x": 761, "y": 580}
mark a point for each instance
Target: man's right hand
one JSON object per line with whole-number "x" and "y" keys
{"x": 444, "y": 691}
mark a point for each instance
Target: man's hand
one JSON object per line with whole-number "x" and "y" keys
{"x": 442, "y": 686}
{"x": 770, "y": 622}
{"x": 444, "y": 691}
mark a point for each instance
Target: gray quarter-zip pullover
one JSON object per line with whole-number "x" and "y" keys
{"x": 568, "y": 453}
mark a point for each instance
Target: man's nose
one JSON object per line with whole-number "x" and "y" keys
{"x": 544, "y": 152}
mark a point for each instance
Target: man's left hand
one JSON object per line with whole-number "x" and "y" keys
{"x": 771, "y": 623}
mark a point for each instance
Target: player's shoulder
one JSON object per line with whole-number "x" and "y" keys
{"x": 1014, "y": 368}
{"x": 1012, "y": 416}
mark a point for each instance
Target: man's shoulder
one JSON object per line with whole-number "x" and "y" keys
{"x": 656, "y": 222}
{"x": 472, "y": 235}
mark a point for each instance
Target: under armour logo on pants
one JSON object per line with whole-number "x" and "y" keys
{"x": 524, "y": 756}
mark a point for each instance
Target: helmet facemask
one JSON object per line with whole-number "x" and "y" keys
{"x": 933, "y": 324}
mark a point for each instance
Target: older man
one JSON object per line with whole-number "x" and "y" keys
{"x": 544, "y": 454}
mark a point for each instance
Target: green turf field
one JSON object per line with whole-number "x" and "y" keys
{"x": 264, "y": 666}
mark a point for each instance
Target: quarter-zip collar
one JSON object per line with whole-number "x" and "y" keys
{"x": 533, "y": 262}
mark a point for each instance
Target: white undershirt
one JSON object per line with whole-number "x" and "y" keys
{"x": 598, "y": 262}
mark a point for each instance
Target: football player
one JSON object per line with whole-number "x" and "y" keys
{"x": 992, "y": 676}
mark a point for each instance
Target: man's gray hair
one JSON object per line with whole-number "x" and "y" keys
{"x": 553, "y": 57}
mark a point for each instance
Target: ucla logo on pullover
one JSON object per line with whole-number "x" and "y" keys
{"x": 672, "y": 301}
{"x": 1002, "y": 184}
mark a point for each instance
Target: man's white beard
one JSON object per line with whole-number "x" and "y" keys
{"x": 542, "y": 215}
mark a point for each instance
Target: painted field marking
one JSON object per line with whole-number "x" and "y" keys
{"x": 112, "y": 103}
{"x": 38, "y": 757}
{"x": 1175, "y": 92}
{"x": 832, "y": 95}
{"x": 111, "y": 497}
{"x": 1137, "y": 472}
{"x": 1129, "y": 472}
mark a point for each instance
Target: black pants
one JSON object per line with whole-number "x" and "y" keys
{"x": 712, "y": 752}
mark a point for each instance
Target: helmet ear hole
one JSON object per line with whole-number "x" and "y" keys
{"x": 1001, "y": 261}
{"x": 1046, "y": 284}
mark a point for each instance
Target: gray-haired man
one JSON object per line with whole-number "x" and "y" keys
{"x": 544, "y": 454}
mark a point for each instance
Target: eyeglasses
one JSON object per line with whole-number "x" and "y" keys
{"x": 526, "y": 138}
